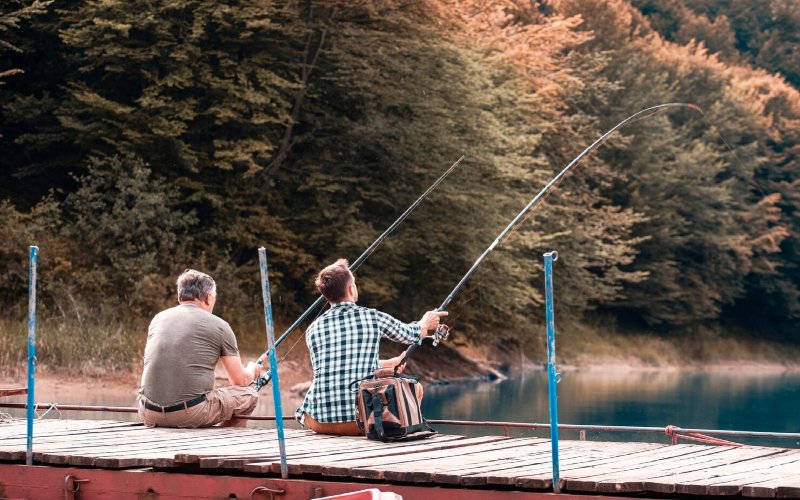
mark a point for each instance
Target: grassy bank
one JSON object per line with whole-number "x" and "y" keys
{"x": 113, "y": 348}
{"x": 605, "y": 343}
{"x": 103, "y": 347}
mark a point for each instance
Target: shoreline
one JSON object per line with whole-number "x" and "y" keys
{"x": 127, "y": 381}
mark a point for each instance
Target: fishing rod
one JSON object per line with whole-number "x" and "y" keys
{"x": 264, "y": 380}
{"x": 442, "y": 332}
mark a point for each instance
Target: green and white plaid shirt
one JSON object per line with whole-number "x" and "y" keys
{"x": 343, "y": 344}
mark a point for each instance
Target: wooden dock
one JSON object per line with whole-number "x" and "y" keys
{"x": 491, "y": 463}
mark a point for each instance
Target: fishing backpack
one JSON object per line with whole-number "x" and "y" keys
{"x": 387, "y": 408}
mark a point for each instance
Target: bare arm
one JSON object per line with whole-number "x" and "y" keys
{"x": 238, "y": 374}
{"x": 430, "y": 321}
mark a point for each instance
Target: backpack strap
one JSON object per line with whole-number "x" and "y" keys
{"x": 377, "y": 413}
{"x": 352, "y": 384}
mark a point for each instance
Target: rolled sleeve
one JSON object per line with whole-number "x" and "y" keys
{"x": 396, "y": 330}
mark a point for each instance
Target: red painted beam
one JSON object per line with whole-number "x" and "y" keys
{"x": 47, "y": 483}
{"x": 13, "y": 392}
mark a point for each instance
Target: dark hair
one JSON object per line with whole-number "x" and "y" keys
{"x": 333, "y": 280}
{"x": 194, "y": 285}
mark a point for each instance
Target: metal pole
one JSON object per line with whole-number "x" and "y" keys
{"x": 31, "y": 349}
{"x": 273, "y": 362}
{"x": 553, "y": 378}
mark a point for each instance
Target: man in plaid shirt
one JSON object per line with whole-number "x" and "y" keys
{"x": 343, "y": 344}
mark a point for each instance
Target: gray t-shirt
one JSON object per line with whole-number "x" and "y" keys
{"x": 184, "y": 344}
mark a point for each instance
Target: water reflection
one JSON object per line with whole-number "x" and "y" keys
{"x": 735, "y": 401}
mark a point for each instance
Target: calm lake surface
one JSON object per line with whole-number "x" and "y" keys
{"x": 725, "y": 400}
{"x": 768, "y": 402}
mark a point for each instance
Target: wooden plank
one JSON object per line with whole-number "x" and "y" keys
{"x": 419, "y": 467}
{"x": 120, "y": 437}
{"x": 541, "y": 477}
{"x": 534, "y": 456}
{"x": 314, "y": 444}
{"x": 41, "y": 438}
{"x": 359, "y": 446}
{"x": 773, "y": 488}
{"x": 302, "y": 438}
{"x": 315, "y": 464}
{"x": 240, "y": 461}
{"x": 506, "y": 472}
{"x": 635, "y": 478}
{"x": 52, "y": 427}
{"x": 729, "y": 479}
{"x": 574, "y": 454}
{"x": 667, "y": 483}
{"x": 152, "y": 442}
{"x": 628, "y": 476}
{"x": 478, "y": 474}
{"x": 151, "y": 439}
{"x": 164, "y": 456}
{"x": 523, "y": 463}
{"x": 161, "y": 456}
{"x": 734, "y": 484}
{"x": 453, "y": 471}
{"x": 13, "y": 449}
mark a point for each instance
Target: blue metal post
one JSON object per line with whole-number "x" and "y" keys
{"x": 31, "y": 348}
{"x": 273, "y": 363}
{"x": 553, "y": 378}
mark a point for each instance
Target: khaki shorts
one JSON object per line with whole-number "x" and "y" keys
{"x": 220, "y": 406}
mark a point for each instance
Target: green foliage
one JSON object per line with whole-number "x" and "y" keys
{"x": 166, "y": 135}
{"x": 766, "y": 34}
{"x": 11, "y": 20}
{"x": 128, "y": 239}
{"x": 209, "y": 87}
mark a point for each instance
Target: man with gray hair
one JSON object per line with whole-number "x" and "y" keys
{"x": 184, "y": 344}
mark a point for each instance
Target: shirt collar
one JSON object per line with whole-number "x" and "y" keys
{"x": 343, "y": 303}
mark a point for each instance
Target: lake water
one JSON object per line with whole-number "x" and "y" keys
{"x": 700, "y": 400}
{"x": 768, "y": 402}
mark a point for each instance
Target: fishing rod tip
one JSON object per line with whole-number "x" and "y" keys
{"x": 694, "y": 107}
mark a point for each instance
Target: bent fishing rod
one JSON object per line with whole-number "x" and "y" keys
{"x": 264, "y": 380}
{"x": 442, "y": 332}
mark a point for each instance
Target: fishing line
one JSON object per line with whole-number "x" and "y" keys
{"x": 301, "y": 337}
{"x": 600, "y": 143}
{"x": 260, "y": 382}
{"x": 442, "y": 331}
{"x": 475, "y": 244}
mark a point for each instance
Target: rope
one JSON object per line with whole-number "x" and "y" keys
{"x": 53, "y": 406}
{"x": 672, "y": 430}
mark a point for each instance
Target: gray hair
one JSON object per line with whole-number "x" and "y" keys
{"x": 194, "y": 285}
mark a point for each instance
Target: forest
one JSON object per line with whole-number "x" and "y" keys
{"x": 142, "y": 137}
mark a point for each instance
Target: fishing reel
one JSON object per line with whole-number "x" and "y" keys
{"x": 442, "y": 332}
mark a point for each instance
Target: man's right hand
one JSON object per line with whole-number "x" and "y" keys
{"x": 257, "y": 369}
{"x": 430, "y": 320}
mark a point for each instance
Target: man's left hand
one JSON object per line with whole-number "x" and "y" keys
{"x": 392, "y": 363}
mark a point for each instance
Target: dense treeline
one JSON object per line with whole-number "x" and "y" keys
{"x": 143, "y": 137}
